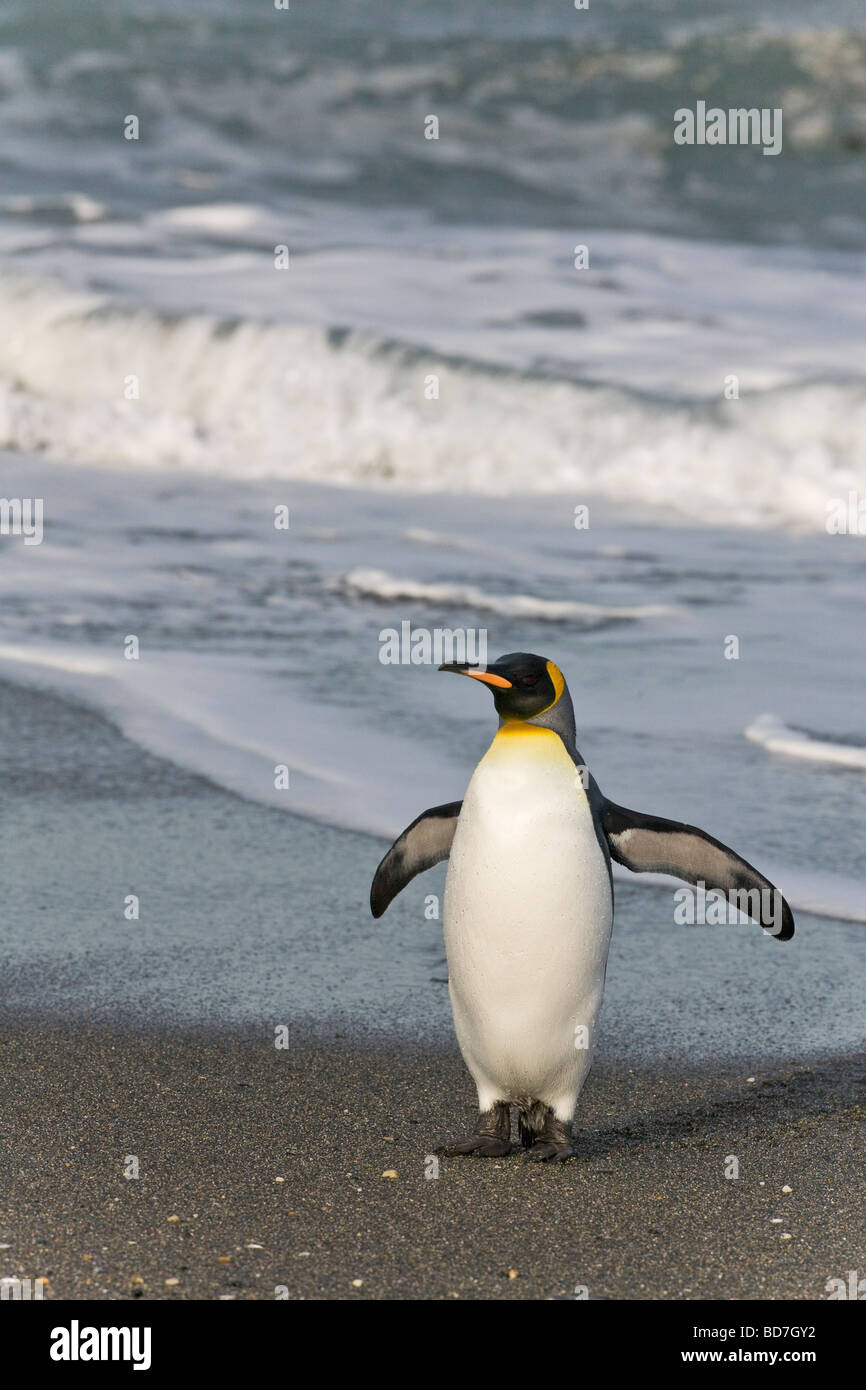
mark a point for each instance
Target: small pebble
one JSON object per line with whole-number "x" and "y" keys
{"x": 786, "y": 1235}
{"x": 172, "y": 1282}
{"x": 224, "y": 1259}
{"x": 357, "y": 1283}
{"x": 389, "y": 1173}
{"x": 786, "y": 1188}
{"x": 512, "y": 1273}
{"x": 172, "y": 1218}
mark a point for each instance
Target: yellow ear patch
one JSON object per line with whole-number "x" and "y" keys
{"x": 558, "y": 684}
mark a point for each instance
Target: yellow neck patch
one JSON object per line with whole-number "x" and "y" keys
{"x": 518, "y": 728}
{"x": 521, "y": 741}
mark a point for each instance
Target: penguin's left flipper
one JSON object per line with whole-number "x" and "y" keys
{"x": 650, "y": 845}
{"x": 424, "y": 843}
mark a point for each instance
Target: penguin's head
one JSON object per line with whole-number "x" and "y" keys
{"x": 523, "y": 685}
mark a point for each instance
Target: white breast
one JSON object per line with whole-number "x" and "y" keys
{"x": 528, "y": 910}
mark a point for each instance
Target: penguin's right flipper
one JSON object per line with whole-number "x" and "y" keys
{"x": 424, "y": 843}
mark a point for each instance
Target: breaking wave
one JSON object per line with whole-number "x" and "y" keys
{"x": 85, "y": 382}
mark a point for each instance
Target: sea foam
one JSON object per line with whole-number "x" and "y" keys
{"x": 778, "y": 737}
{"x": 251, "y": 399}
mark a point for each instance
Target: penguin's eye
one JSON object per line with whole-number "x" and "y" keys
{"x": 529, "y": 680}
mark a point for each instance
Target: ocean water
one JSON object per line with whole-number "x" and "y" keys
{"x": 432, "y": 388}
{"x": 148, "y": 265}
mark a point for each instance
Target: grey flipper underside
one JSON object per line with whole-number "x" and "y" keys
{"x": 424, "y": 843}
{"x": 649, "y": 844}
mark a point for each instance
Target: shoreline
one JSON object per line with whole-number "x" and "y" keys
{"x": 239, "y": 927}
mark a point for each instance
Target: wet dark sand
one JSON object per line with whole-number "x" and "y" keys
{"x": 645, "y": 1211}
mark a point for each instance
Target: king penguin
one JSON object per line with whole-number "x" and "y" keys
{"x": 529, "y": 905}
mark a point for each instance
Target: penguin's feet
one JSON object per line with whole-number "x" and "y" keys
{"x": 479, "y": 1144}
{"x": 543, "y": 1152}
{"x": 491, "y": 1137}
{"x": 545, "y": 1138}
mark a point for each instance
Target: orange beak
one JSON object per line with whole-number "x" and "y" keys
{"x": 488, "y": 677}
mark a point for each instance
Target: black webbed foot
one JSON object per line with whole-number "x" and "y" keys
{"x": 545, "y": 1138}
{"x": 542, "y": 1152}
{"x": 491, "y": 1137}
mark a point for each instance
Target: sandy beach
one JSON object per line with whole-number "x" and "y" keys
{"x": 261, "y": 1175}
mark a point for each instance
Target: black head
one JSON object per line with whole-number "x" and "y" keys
{"x": 523, "y": 685}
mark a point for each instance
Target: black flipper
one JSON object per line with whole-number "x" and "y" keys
{"x": 424, "y": 843}
{"x": 650, "y": 845}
